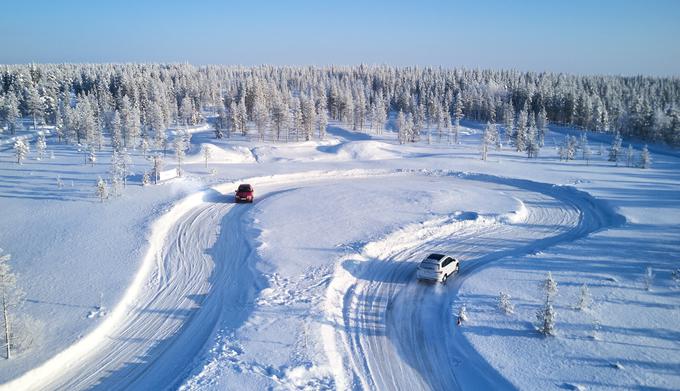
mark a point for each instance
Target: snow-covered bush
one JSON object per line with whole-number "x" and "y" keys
{"x": 546, "y": 318}
{"x": 462, "y": 314}
{"x": 584, "y": 299}
{"x": 645, "y": 158}
{"x": 21, "y": 149}
{"x": 504, "y": 304}
{"x": 549, "y": 286}
{"x": 102, "y": 190}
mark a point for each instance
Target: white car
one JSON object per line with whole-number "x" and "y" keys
{"x": 437, "y": 267}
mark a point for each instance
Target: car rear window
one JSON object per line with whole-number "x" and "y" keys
{"x": 244, "y": 188}
{"x": 429, "y": 265}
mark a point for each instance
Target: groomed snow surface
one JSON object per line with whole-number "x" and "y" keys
{"x": 313, "y": 285}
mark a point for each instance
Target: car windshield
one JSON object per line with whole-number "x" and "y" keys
{"x": 244, "y": 188}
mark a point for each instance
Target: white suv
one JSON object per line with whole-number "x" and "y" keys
{"x": 437, "y": 267}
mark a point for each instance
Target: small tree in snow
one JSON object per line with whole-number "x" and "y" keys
{"x": 584, "y": 299}
{"x": 11, "y": 297}
{"x": 488, "y": 138}
{"x": 504, "y": 304}
{"x": 462, "y": 315}
{"x": 546, "y": 318}
{"x": 180, "y": 145}
{"x": 41, "y": 146}
{"x": 648, "y": 278}
{"x": 645, "y": 158}
{"x": 630, "y": 156}
{"x": 146, "y": 178}
{"x": 549, "y": 286}
{"x": 157, "y": 167}
{"x": 615, "y": 149}
{"x": 102, "y": 190}
{"x": 21, "y": 149}
{"x": 207, "y": 154}
{"x": 92, "y": 157}
{"x": 585, "y": 149}
{"x": 145, "y": 147}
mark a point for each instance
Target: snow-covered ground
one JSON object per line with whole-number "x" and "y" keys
{"x": 313, "y": 286}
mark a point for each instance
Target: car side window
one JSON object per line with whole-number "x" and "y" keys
{"x": 446, "y": 262}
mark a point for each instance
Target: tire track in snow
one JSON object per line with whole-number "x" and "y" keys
{"x": 415, "y": 345}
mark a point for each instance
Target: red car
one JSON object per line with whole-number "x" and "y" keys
{"x": 245, "y": 193}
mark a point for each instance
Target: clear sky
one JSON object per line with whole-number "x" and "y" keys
{"x": 596, "y": 36}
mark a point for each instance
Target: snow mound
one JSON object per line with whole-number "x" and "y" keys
{"x": 517, "y": 216}
{"x": 362, "y": 150}
{"x": 232, "y": 154}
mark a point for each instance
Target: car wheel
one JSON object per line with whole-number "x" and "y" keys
{"x": 444, "y": 278}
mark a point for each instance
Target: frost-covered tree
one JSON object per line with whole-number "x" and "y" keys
{"x": 379, "y": 115}
{"x": 532, "y": 144}
{"x": 457, "y": 116}
{"x": 402, "y": 128}
{"x": 11, "y": 297}
{"x": 41, "y": 146}
{"x": 34, "y": 105}
{"x": 630, "y": 155}
{"x": 645, "y": 158}
{"x": 585, "y": 149}
{"x": 180, "y": 145}
{"x": 121, "y": 164}
{"x": 546, "y": 318}
{"x": 322, "y": 120}
{"x": 462, "y": 314}
{"x": 102, "y": 190}
{"x": 207, "y": 154}
{"x": 549, "y": 286}
{"x": 91, "y": 156}
{"x": 11, "y": 113}
{"x": 519, "y": 137}
{"x": 615, "y": 149}
{"x": 584, "y": 299}
{"x": 116, "y": 131}
{"x": 21, "y": 149}
{"x": 504, "y": 304}
{"x": 488, "y": 138}
{"x": 157, "y": 167}
{"x": 146, "y": 179}
{"x": 221, "y": 123}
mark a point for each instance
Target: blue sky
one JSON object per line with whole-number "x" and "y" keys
{"x": 598, "y": 36}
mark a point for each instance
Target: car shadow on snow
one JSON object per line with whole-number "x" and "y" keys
{"x": 374, "y": 269}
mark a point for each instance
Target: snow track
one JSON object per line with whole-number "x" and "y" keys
{"x": 390, "y": 332}
{"x": 385, "y": 330}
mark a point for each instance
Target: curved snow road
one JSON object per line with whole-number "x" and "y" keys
{"x": 396, "y": 333}
{"x": 389, "y": 333}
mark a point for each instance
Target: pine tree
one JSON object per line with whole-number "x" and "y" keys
{"x": 584, "y": 300}
{"x": 401, "y": 127}
{"x": 102, "y": 190}
{"x": 322, "y": 120}
{"x": 207, "y": 154}
{"x": 116, "y": 131}
{"x": 462, "y": 314}
{"x": 11, "y": 113}
{"x": 630, "y": 155}
{"x": 91, "y": 157}
{"x": 34, "y": 105}
{"x": 504, "y": 304}
{"x": 488, "y": 138}
{"x": 11, "y": 297}
{"x": 549, "y": 286}
{"x": 615, "y": 149}
{"x": 645, "y": 158}
{"x": 41, "y": 146}
{"x": 21, "y": 149}
{"x": 546, "y": 318}
{"x": 585, "y": 149}
{"x": 157, "y": 167}
{"x": 519, "y": 137}
{"x": 181, "y": 145}
{"x": 532, "y": 144}
{"x": 457, "y": 116}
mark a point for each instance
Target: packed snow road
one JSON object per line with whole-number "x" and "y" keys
{"x": 380, "y": 329}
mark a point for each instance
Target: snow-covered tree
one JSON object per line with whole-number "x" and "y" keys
{"x": 645, "y": 158}
{"x": 519, "y": 137}
{"x": 462, "y": 314}
{"x": 549, "y": 285}
{"x": 207, "y": 154}
{"x": 181, "y": 145}
{"x": 116, "y": 131}
{"x": 457, "y": 116}
{"x": 585, "y": 148}
{"x": 21, "y": 149}
{"x": 322, "y": 120}
{"x": 91, "y": 156}
{"x": 11, "y": 113}
{"x": 157, "y": 167}
{"x": 584, "y": 299}
{"x": 121, "y": 163}
{"x": 11, "y": 297}
{"x": 488, "y": 138}
{"x": 221, "y": 123}
{"x": 630, "y": 155}
{"x": 504, "y": 304}
{"x": 41, "y": 146}
{"x": 102, "y": 190}
{"x": 402, "y": 128}
{"x": 146, "y": 179}
{"x": 532, "y": 144}
{"x": 615, "y": 149}
{"x": 34, "y": 105}
{"x": 546, "y": 318}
